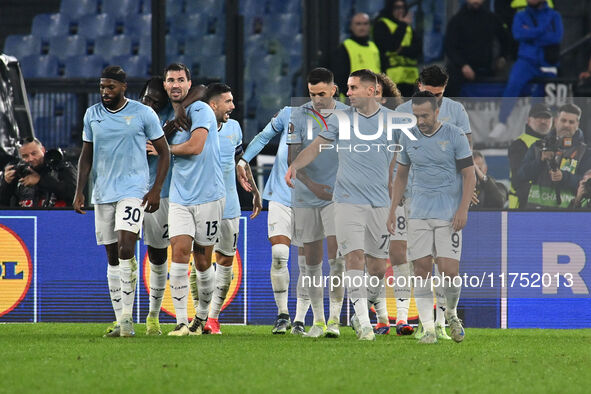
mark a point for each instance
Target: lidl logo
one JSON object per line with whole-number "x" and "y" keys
{"x": 167, "y": 305}
{"x": 16, "y": 270}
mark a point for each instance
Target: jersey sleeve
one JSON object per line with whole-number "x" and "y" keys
{"x": 199, "y": 118}
{"x": 402, "y": 157}
{"x": 262, "y": 139}
{"x": 461, "y": 146}
{"x": 238, "y": 147}
{"x": 296, "y": 127}
{"x": 86, "y": 131}
{"x": 152, "y": 127}
{"x": 462, "y": 119}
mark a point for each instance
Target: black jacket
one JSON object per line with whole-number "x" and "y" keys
{"x": 56, "y": 188}
{"x": 470, "y": 37}
{"x": 387, "y": 42}
{"x": 517, "y": 151}
{"x": 490, "y": 194}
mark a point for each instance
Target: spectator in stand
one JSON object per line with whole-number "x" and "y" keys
{"x": 538, "y": 29}
{"x": 576, "y": 18}
{"x": 489, "y": 193}
{"x": 585, "y": 76}
{"x": 355, "y": 53}
{"x": 469, "y": 43}
{"x": 399, "y": 45}
{"x": 539, "y": 123}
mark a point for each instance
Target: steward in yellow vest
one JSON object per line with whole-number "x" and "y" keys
{"x": 355, "y": 53}
{"x": 400, "y": 47}
{"x": 540, "y": 118}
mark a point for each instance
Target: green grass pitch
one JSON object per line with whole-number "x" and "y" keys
{"x": 75, "y": 358}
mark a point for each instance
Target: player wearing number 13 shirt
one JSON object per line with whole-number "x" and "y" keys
{"x": 114, "y": 135}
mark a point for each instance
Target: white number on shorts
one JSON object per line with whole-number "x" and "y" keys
{"x": 133, "y": 213}
{"x": 212, "y": 228}
{"x": 455, "y": 240}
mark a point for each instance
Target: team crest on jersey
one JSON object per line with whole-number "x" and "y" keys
{"x": 16, "y": 270}
{"x": 443, "y": 145}
{"x": 128, "y": 119}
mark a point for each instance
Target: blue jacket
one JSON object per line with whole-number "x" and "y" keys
{"x": 535, "y": 28}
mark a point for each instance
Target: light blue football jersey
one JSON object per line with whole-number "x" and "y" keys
{"x": 275, "y": 189}
{"x": 436, "y": 182}
{"x": 450, "y": 111}
{"x": 197, "y": 179}
{"x": 230, "y": 142}
{"x": 119, "y": 164}
{"x": 307, "y": 125}
{"x": 362, "y": 176}
{"x": 153, "y": 160}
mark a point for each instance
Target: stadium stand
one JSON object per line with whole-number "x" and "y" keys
{"x": 20, "y": 46}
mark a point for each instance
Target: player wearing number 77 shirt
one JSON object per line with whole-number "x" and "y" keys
{"x": 114, "y": 135}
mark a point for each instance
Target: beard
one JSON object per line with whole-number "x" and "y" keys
{"x": 113, "y": 103}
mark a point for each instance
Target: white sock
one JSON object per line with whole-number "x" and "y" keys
{"x": 205, "y": 283}
{"x": 441, "y": 302}
{"x": 303, "y": 298}
{"x": 114, "y": 281}
{"x": 280, "y": 276}
{"x": 128, "y": 277}
{"x": 223, "y": 278}
{"x": 193, "y": 286}
{"x": 452, "y": 295}
{"x": 402, "y": 293}
{"x": 424, "y": 300}
{"x": 316, "y": 291}
{"x": 336, "y": 288}
{"x": 179, "y": 290}
{"x": 358, "y": 295}
{"x": 158, "y": 274}
{"x": 376, "y": 296}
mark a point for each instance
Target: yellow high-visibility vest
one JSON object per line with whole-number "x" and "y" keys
{"x": 401, "y": 69}
{"x": 519, "y": 4}
{"x": 363, "y": 56}
{"x": 528, "y": 140}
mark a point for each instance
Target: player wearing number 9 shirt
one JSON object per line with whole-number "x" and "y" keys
{"x": 114, "y": 135}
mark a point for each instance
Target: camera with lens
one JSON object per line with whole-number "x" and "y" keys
{"x": 21, "y": 168}
{"x": 52, "y": 159}
{"x": 550, "y": 144}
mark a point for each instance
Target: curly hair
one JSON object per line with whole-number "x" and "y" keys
{"x": 389, "y": 90}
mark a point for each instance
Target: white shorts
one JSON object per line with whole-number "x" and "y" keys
{"x": 313, "y": 224}
{"x": 362, "y": 227}
{"x": 201, "y": 222}
{"x": 228, "y": 237}
{"x": 279, "y": 220}
{"x": 401, "y": 225}
{"x": 433, "y": 237}
{"x": 126, "y": 214}
{"x": 156, "y": 227}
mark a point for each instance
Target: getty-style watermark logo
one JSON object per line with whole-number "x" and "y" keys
{"x": 389, "y": 122}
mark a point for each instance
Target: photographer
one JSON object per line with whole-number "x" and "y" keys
{"x": 489, "y": 193}
{"x": 583, "y": 198}
{"x": 38, "y": 179}
{"x": 556, "y": 164}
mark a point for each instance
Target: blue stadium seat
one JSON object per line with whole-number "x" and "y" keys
{"x": 35, "y": 66}
{"x": 210, "y": 45}
{"x": 145, "y": 7}
{"x": 214, "y": 67}
{"x": 134, "y": 66}
{"x": 20, "y": 46}
{"x": 174, "y": 8}
{"x": 66, "y": 46}
{"x": 282, "y": 25}
{"x": 121, "y": 8}
{"x": 111, "y": 46}
{"x": 92, "y": 26}
{"x": 144, "y": 46}
{"x": 139, "y": 25}
{"x": 193, "y": 25}
{"x": 76, "y": 9}
{"x": 48, "y": 25}
{"x": 84, "y": 66}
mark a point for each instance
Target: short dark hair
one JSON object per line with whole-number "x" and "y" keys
{"x": 319, "y": 75}
{"x": 156, "y": 83}
{"x": 115, "y": 73}
{"x": 215, "y": 89}
{"x": 28, "y": 140}
{"x": 433, "y": 76}
{"x": 177, "y": 67}
{"x": 571, "y": 109}
{"x": 365, "y": 75}
{"x": 420, "y": 98}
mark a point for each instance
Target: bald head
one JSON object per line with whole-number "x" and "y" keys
{"x": 360, "y": 25}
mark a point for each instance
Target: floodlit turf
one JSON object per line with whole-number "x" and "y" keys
{"x": 74, "y": 358}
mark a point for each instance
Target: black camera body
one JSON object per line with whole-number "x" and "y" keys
{"x": 21, "y": 169}
{"x": 52, "y": 159}
{"x": 550, "y": 144}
